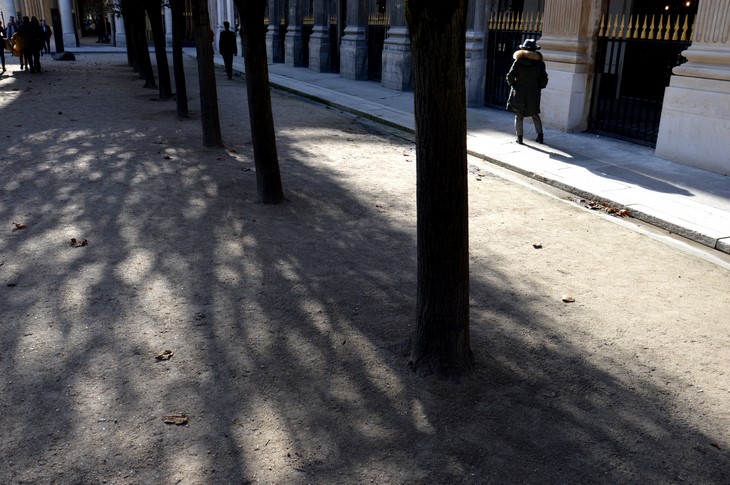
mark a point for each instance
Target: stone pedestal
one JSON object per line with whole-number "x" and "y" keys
{"x": 120, "y": 36}
{"x": 354, "y": 54}
{"x": 319, "y": 49}
{"x": 476, "y": 68}
{"x": 67, "y": 24}
{"x": 397, "y": 63}
{"x": 567, "y": 44}
{"x": 695, "y": 124}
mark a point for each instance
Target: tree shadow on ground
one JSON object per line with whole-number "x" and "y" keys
{"x": 280, "y": 319}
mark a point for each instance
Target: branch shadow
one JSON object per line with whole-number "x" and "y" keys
{"x": 280, "y": 319}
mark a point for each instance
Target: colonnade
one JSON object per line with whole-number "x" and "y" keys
{"x": 695, "y": 118}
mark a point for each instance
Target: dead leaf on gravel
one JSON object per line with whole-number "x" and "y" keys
{"x": 537, "y": 245}
{"x": 19, "y": 225}
{"x": 76, "y": 244}
{"x": 175, "y": 418}
{"x": 568, "y": 298}
{"x": 166, "y": 355}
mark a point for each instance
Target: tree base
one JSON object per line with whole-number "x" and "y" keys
{"x": 63, "y": 56}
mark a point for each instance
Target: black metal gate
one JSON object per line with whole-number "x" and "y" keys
{"x": 507, "y": 31}
{"x": 377, "y": 27}
{"x": 634, "y": 63}
{"x": 307, "y": 28}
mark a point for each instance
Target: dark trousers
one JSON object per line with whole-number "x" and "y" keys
{"x": 2, "y": 55}
{"x": 228, "y": 62}
{"x": 519, "y": 124}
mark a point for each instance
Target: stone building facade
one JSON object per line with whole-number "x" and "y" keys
{"x": 340, "y": 35}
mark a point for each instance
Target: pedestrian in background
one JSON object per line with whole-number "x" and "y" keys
{"x": 46, "y": 37}
{"x": 3, "y": 39}
{"x": 11, "y": 28}
{"x": 527, "y": 78}
{"x": 227, "y": 47}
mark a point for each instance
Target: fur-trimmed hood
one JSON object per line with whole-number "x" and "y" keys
{"x": 525, "y": 54}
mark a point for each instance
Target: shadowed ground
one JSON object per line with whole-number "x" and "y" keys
{"x": 280, "y": 318}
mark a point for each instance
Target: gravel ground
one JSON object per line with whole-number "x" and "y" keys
{"x": 280, "y": 319}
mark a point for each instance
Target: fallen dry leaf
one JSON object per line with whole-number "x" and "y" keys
{"x": 19, "y": 225}
{"x": 165, "y": 355}
{"x": 175, "y": 418}
{"x": 537, "y": 245}
{"x": 568, "y": 298}
{"x": 76, "y": 244}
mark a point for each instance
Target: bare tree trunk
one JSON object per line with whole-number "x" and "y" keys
{"x": 134, "y": 11}
{"x": 125, "y": 9}
{"x": 266, "y": 159}
{"x": 178, "y": 26}
{"x": 209, "y": 117}
{"x": 154, "y": 13}
{"x": 440, "y": 343}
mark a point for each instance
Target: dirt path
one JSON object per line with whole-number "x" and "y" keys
{"x": 280, "y": 318}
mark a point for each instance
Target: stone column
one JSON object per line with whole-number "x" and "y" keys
{"x": 397, "y": 60}
{"x": 274, "y": 42}
{"x": 319, "y": 41}
{"x": 229, "y": 12}
{"x": 695, "y": 123}
{"x": 293, "y": 41}
{"x": 8, "y": 10}
{"x": 568, "y": 46}
{"x": 67, "y": 23}
{"x": 120, "y": 35}
{"x": 168, "y": 26}
{"x": 220, "y": 13}
{"x": 354, "y": 45}
{"x": 476, "y": 59}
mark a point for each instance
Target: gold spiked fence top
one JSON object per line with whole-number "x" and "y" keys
{"x": 379, "y": 19}
{"x": 651, "y": 27}
{"x": 524, "y": 21}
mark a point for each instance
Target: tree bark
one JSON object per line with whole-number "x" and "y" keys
{"x": 268, "y": 176}
{"x": 178, "y": 26}
{"x": 209, "y": 116}
{"x": 154, "y": 13}
{"x": 440, "y": 343}
{"x": 139, "y": 38}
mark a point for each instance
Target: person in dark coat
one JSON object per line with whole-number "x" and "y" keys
{"x": 46, "y": 37}
{"x": 32, "y": 39}
{"x": 11, "y": 28}
{"x": 227, "y": 47}
{"x": 21, "y": 43}
{"x": 3, "y": 39}
{"x": 527, "y": 78}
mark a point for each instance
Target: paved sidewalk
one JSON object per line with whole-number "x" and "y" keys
{"x": 683, "y": 200}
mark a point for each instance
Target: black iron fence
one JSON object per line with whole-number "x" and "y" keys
{"x": 378, "y": 25}
{"x": 634, "y": 62}
{"x": 335, "y": 31}
{"x": 507, "y": 31}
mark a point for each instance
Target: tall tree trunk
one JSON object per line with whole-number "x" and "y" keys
{"x": 125, "y": 10}
{"x": 206, "y": 76}
{"x": 178, "y": 26}
{"x": 139, "y": 38}
{"x": 154, "y": 13}
{"x": 268, "y": 176}
{"x": 440, "y": 342}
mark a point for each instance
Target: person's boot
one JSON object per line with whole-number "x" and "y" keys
{"x": 539, "y": 138}
{"x": 519, "y": 140}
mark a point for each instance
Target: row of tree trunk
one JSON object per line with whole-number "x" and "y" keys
{"x": 440, "y": 343}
